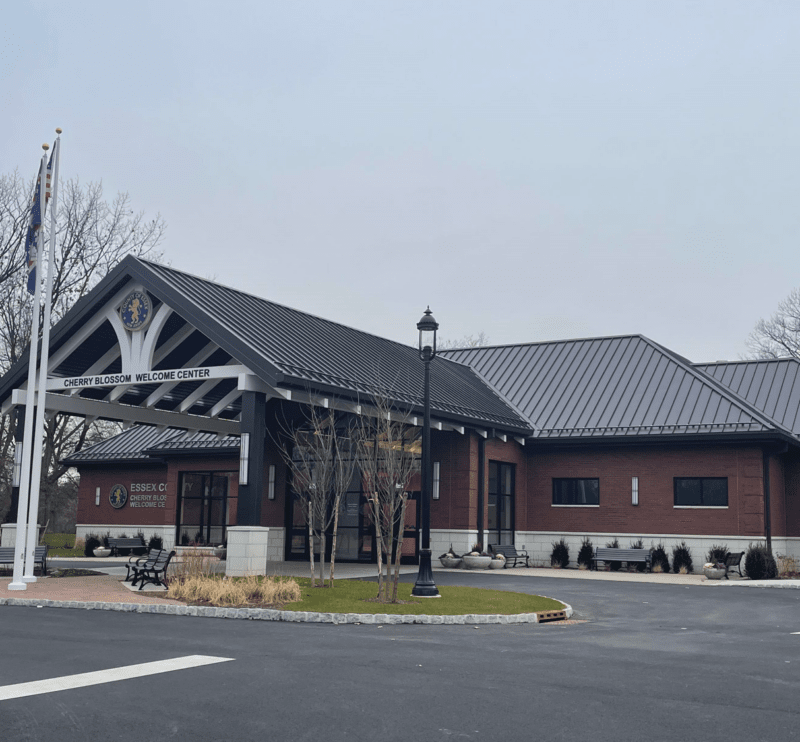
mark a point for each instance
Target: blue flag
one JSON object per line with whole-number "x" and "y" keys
{"x": 32, "y": 242}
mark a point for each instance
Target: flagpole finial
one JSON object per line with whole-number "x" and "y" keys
{"x": 45, "y": 146}
{"x": 58, "y": 131}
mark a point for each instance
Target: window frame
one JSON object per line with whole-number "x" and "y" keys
{"x": 557, "y": 480}
{"x": 701, "y": 504}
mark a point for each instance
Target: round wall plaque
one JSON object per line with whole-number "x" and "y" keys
{"x": 136, "y": 311}
{"x": 118, "y": 496}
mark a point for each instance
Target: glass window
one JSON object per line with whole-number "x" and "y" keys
{"x": 500, "y": 504}
{"x": 701, "y": 491}
{"x": 576, "y": 492}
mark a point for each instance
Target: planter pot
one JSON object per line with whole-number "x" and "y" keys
{"x": 450, "y": 562}
{"x": 497, "y": 564}
{"x": 476, "y": 562}
{"x": 101, "y": 551}
{"x": 713, "y": 573}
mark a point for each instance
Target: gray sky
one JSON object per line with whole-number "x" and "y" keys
{"x": 533, "y": 170}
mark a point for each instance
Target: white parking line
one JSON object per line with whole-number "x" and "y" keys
{"x": 67, "y": 682}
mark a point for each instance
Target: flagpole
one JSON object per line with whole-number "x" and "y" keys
{"x": 17, "y": 582}
{"x": 38, "y": 437}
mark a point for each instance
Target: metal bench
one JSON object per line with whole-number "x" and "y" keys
{"x": 629, "y": 556}
{"x": 40, "y": 557}
{"x": 155, "y": 572}
{"x": 115, "y": 544}
{"x": 140, "y": 562}
{"x": 734, "y": 561}
{"x": 511, "y": 554}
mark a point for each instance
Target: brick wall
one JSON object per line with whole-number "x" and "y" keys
{"x": 656, "y": 467}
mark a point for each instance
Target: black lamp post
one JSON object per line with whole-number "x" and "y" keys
{"x": 425, "y": 587}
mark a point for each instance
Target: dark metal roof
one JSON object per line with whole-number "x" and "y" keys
{"x": 772, "y": 386}
{"x": 613, "y": 386}
{"x": 284, "y": 347}
{"x": 141, "y": 443}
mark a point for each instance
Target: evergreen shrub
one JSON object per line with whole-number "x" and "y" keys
{"x": 681, "y": 558}
{"x": 585, "y": 553}
{"x": 91, "y": 543}
{"x": 559, "y": 557}
{"x": 660, "y": 560}
{"x": 759, "y": 563}
{"x": 717, "y": 553}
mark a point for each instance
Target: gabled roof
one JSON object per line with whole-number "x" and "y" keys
{"x": 772, "y": 386}
{"x": 142, "y": 442}
{"x": 612, "y": 386}
{"x": 285, "y": 348}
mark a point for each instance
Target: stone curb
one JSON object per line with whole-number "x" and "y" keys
{"x": 267, "y": 614}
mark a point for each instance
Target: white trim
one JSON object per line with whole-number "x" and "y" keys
{"x": 700, "y": 507}
{"x": 553, "y": 505}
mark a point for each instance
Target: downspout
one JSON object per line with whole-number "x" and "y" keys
{"x": 767, "y": 515}
{"x": 481, "y": 466}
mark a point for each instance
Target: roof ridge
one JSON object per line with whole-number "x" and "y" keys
{"x": 531, "y": 343}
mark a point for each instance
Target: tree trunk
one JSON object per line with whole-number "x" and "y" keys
{"x": 336, "y": 504}
{"x": 311, "y": 543}
{"x": 398, "y": 555}
{"x": 378, "y": 548}
{"x": 322, "y": 558}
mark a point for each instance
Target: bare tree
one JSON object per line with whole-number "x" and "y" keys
{"x": 388, "y": 461}
{"x": 468, "y": 341}
{"x": 778, "y": 336}
{"x": 321, "y": 457}
{"x": 93, "y": 236}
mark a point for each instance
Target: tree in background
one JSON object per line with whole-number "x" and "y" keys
{"x": 468, "y": 341}
{"x": 778, "y": 336}
{"x": 93, "y": 236}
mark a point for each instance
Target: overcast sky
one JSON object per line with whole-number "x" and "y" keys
{"x": 532, "y": 170}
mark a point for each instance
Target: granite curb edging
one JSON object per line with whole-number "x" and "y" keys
{"x": 268, "y": 614}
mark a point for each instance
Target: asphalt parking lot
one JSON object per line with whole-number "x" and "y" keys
{"x": 644, "y": 661}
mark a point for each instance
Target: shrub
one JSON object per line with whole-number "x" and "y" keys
{"x": 237, "y": 592}
{"x": 638, "y": 544}
{"x": 660, "y": 561}
{"x": 682, "y": 559}
{"x": 585, "y": 553}
{"x": 787, "y": 566}
{"x": 90, "y": 544}
{"x": 559, "y": 557}
{"x": 759, "y": 563}
{"x": 614, "y": 566}
{"x": 155, "y": 542}
{"x": 717, "y": 553}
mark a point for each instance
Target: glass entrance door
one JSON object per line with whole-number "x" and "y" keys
{"x": 204, "y": 508}
{"x": 501, "y": 503}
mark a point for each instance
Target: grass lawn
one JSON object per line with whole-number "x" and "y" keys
{"x": 352, "y": 596}
{"x": 56, "y": 543}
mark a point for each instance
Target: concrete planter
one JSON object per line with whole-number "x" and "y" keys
{"x": 497, "y": 564}
{"x": 476, "y": 562}
{"x": 102, "y": 552}
{"x": 450, "y": 562}
{"x": 713, "y": 573}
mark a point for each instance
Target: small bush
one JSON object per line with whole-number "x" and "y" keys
{"x": 585, "y": 553}
{"x": 638, "y": 544}
{"x": 717, "y": 553}
{"x": 559, "y": 557}
{"x": 759, "y": 563}
{"x": 682, "y": 558}
{"x": 660, "y": 560}
{"x": 614, "y": 566}
{"x": 90, "y": 544}
{"x": 237, "y": 592}
{"x": 155, "y": 542}
{"x": 787, "y": 566}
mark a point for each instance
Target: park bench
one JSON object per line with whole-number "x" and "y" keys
{"x": 734, "y": 561}
{"x": 155, "y": 572}
{"x": 511, "y": 554}
{"x": 140, "y": 562}
{"x": 115, "y": 544}
{"x": 629, "y": 556}
{"x": 40, "y": 557}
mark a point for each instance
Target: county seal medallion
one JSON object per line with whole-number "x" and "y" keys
{"x": 136, "y": 311}
{"x": 118, "y": 496}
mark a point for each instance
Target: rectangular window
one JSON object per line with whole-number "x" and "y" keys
{"x": 701, "y": 492}
{"x": 501, "y": 503}
{"x": 576, "y": 492}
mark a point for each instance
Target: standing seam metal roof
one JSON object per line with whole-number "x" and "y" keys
{"x": 614, "y": 386}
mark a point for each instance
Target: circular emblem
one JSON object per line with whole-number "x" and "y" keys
{"x": 118, "y": 496}
{"x": 136, "y": 311}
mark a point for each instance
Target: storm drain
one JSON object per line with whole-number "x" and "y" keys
{"x": 552, "y": 616}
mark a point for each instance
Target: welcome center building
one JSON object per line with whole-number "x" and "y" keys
{"x": 601, "y": 437}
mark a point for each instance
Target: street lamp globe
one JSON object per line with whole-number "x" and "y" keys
{"x": 427, "y": 327}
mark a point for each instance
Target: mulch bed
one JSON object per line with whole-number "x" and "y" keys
{"x": 75, "y": 573}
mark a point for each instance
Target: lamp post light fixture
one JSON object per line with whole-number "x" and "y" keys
{"x": 425, "y": 587}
